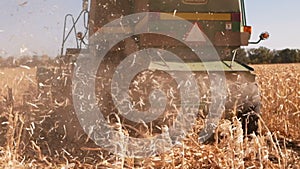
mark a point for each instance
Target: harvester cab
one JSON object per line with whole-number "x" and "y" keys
{"x": 217, "y": 27}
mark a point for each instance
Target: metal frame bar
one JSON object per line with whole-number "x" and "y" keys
{"x": 73, "y": 28}
{"x": 243, "y": 13}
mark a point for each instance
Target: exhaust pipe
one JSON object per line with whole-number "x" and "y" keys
{"x": 85, "y": 5}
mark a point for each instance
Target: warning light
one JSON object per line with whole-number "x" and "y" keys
{"x": 248, "y": 29}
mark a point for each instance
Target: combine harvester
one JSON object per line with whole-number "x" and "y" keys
{"x": 199, "y": 37}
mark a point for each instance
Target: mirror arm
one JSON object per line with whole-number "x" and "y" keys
{"x": 262, "y": 36}
{"x": 256, "y": 41}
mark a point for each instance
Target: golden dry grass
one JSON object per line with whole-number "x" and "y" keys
{"x": 280, "y": 92}
{"x": 19, "y": 79}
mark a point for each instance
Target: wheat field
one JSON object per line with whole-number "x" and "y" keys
{"x": 276, "y": 147}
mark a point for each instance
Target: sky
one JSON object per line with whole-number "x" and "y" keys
{"x": 35, "y": 27}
